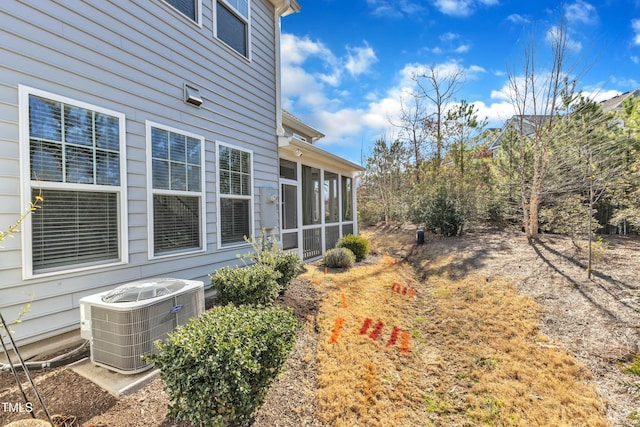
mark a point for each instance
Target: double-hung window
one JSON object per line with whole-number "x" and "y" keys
{"x": 232, "y": 24}
{"x": 189, "y": 8}
{"x": 176, "y": 184}
{"x": 74, "y": 159}
{"x": 235, "y": 184}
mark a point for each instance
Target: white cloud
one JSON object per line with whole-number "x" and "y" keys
{"x": 395, "y": 9}
{"x": 461, "y": 7}
{"x": 321, "y": 102}
{"x": 599, "y": 95}
{"x": 463, "y": 48}
{"x": 454, "y": 7}
{"x": 296, "y": 81}
{"x": 449, "y": 37}
{"x": 627, "y": 83}
{"x": 581, "y": 12}
{"x": 360, "y": 59}
{"x": 451, "y": 42}
{"x": 295, "y": 50}
{"x": 518, "y": 19}
{"x": 553, "y": 34}
{"x": 635, "y": 25}
{"x": 496, "y": 113}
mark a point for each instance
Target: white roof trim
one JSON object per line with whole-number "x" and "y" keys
{"x": 292, "y": 144}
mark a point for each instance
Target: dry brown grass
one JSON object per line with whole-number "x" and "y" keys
{"x": 475, "y": 355}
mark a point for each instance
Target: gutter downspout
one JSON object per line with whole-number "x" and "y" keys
{"x": 285, "y": 8}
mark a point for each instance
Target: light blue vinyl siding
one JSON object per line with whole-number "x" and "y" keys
{"x": 133, "y": 58}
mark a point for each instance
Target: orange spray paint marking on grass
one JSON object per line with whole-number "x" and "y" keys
{"x": 337, "y": 327}
{"x": 394, "y": 336}
{"x": 376, "y": 332}
{"x": 404, "y": 342}
{"x": 404, "y": 290}
{"x": 412, "y": 293}
{"x": 344, "y": 300}
{"x": 365, "y": 326}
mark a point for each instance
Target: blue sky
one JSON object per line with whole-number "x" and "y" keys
{"x": 346, "y": 64}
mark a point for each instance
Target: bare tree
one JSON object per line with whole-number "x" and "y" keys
{"x": 413, "y": 129}
{"x": 536, "y": 97}
{"x": 438, "y": 86}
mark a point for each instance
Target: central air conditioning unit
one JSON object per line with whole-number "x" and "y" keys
{"x": 123, "y": 323}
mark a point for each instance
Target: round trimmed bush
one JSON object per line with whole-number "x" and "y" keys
{"x": 219, "y": 367}
{"x": 356, "y": 244}
{"x": 339, "y": 258}
{"x": 256, "y": 284}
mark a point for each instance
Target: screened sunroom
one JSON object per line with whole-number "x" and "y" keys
{"x": 317, "y": 192}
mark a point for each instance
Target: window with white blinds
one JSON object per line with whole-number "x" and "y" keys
{"x": 235, "y": 183}
{"x": 177, "y": 190}
{"x": 75, "y": 164}
{"x": 73, "y": 228}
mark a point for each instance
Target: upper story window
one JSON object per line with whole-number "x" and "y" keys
{"x": 189, "y": 8}
{"x": 76, "y": 163}
{"x": 232, "y": 24}
{"x": 177, "y": 191}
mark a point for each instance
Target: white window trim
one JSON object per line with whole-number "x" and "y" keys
{"x": 246, "y": 19}
{"x": 151, "y": 191}
{"x": 198, "y": 22}
{"x": 251, "y": 197}
{"x": 27, "y": 184}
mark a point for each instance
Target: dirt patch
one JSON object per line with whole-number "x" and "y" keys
{"x": 597, "y": 321}
{"x": 65, "y": 393}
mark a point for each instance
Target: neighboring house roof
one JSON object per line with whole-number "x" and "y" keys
{"x": 297, "y": 128}
{"x": 615, "y": 103}
{"x": 525, "y": 124}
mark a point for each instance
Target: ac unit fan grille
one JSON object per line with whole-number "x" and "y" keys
{"x": 121, "y": 338}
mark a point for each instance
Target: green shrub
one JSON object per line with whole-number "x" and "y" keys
{"x": 219, "y": 366}
{"x": 440, "y": 214}
{"x": 256, "y": 284}
{"x": 495, "y": 212}
{"x": 288, "y": 264}
{"x": 267, "y": 252}
{"x": 339, "y": 258}
{"x": 356, "y": 244}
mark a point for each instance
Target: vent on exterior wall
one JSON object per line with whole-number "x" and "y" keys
{"x": 192, "y": 95}
{"x": 123, "y": 323}
{"x": 299, "y": 137}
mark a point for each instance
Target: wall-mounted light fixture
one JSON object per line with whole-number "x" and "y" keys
{"x": 192, "y": 95}
{"x": 298, "y": 152}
